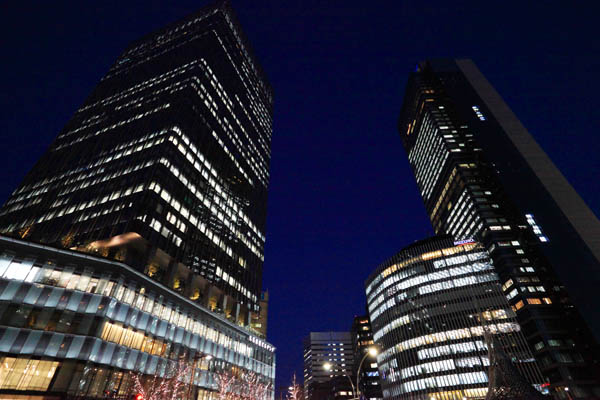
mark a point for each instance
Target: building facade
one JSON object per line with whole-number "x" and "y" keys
{"x": 137, "y": 239}
{"x": 73, "y": 324}
{"x": 482, "y": 175}
{"x": 321, "y": 348}
{"x": 165, "y": 166}
{"x": 362, "y": 340}
{"x": 430, "y": 306}
{"x": 260, "y": 319}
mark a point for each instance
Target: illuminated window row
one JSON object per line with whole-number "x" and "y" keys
{"x": 26, "y": 374}
{"x": 443, "y": 381}
{"x": 430, "y": 287}
{"x": 92, "y": 169}
{"x": 118, "y": 194}
{"x": 104, "y": 178}
{"x": 427, "y": 368}
{"x": 471, "y": 346}
{"x": 410, "y": 261}
{"x": 145, "y": 85}
{"x": 113, "y": 126}
{"x": 417, "y": 316}
{"x": 391, "y": 279}
{"x": 26, "y": 271}
{"x": 444, "y": 336}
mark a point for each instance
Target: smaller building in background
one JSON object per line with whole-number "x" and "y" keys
{"x": 430, "y": 306}
{"x": 323, "y": 349}
{"x": 362, "y": 341}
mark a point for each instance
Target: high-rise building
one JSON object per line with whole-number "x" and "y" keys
{"x": 138, "y": 237}
{"x": 362, "y": 340}
{"x": 431, "y": 305}
{"x": 165, "y": 166}
{"x": 482, "y": 175}
{"x": 327, "y": 355}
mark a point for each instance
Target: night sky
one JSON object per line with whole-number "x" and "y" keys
{"x": 342, "y": 198}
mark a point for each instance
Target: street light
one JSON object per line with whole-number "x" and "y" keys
{"x": 371, "y": 351}
{"x": 328, "y": 365}
{"x": 567, "y": 392}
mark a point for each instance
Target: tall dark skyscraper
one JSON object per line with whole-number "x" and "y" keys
{"x": 165, "y": 166}
{"x": 137, "y": 239}
{"x": 482, "y": 175}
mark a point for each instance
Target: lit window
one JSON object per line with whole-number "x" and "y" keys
{"x": 519, "y": 305}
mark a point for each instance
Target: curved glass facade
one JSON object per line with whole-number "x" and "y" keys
{"x": 429, "y": 306}
{"x": 76, "y": 324}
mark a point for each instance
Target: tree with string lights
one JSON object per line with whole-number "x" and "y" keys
{"x": 245, "y": 385}
{"x": 295, "y": 390}
{"x": 169, "y": 387}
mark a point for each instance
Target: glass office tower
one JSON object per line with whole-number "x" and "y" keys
{"x": 430, "y": 306}
{"x": 165, "y": 166}
{"x": 482, "y": 175}
{"x": 138, "y": 237}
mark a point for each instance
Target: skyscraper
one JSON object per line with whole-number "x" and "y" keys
{"x": 482, "y": 175}
{"x": 137, "y": 239}
{"x": 431, "y": 305}
{"x": 320, "y": 349}
{"x": 165, "y": 166}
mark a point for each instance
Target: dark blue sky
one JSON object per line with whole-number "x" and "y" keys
{"x": 342, "y": 198}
